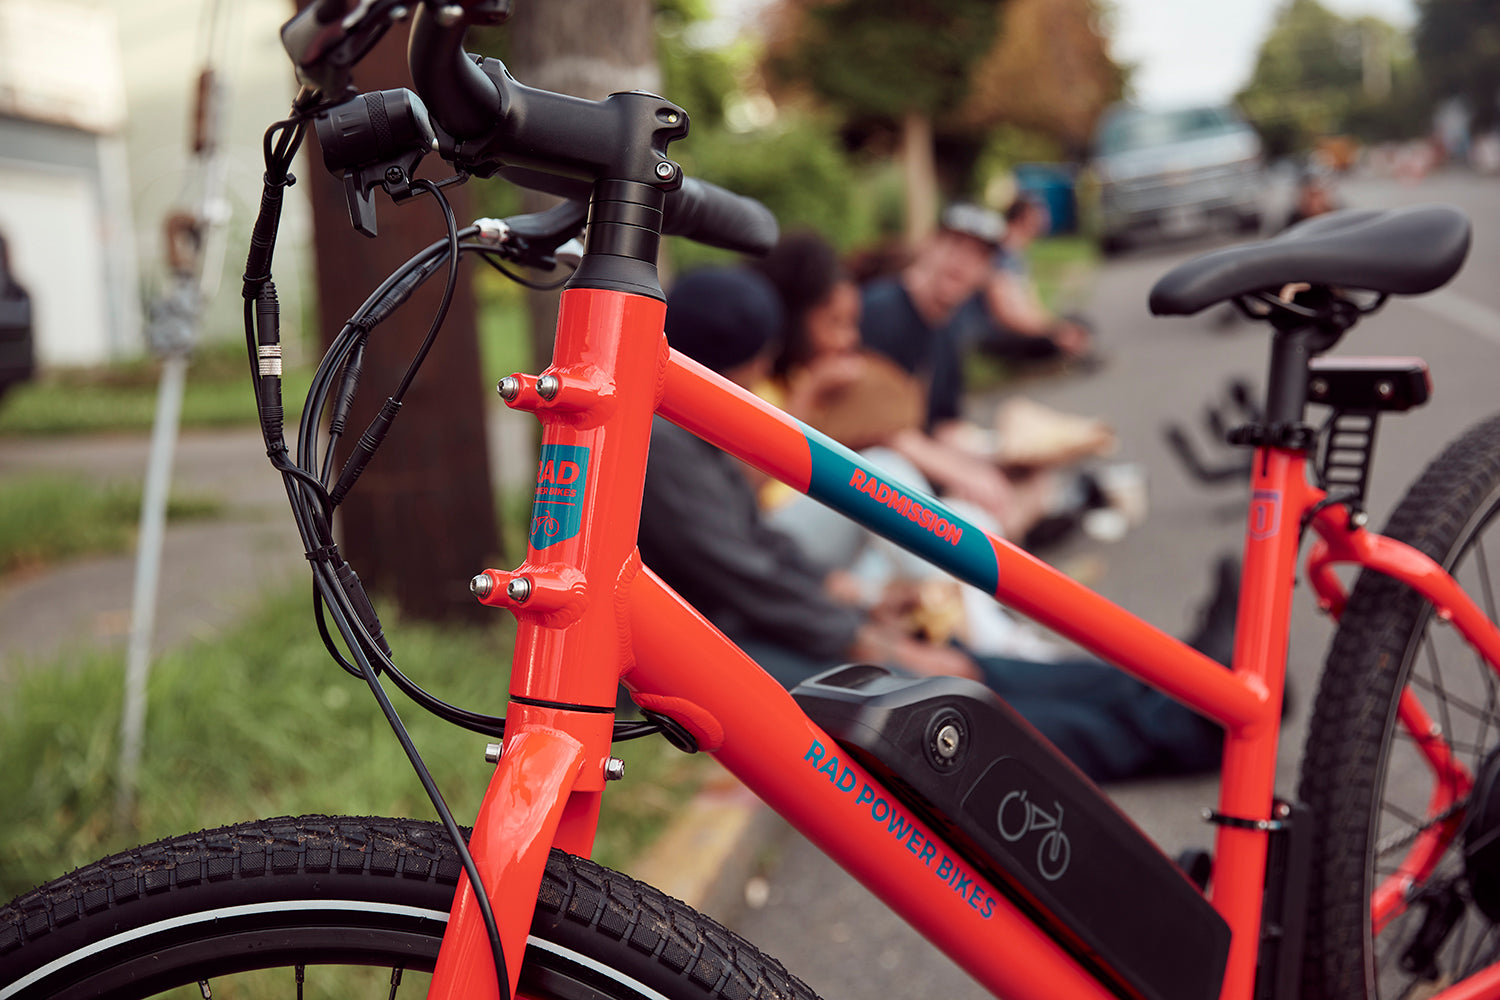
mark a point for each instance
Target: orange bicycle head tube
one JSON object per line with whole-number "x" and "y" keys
{"x": 595, "y": 404}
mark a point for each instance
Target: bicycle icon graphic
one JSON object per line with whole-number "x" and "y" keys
{"x": 1018, "y": 816}
{"x": 545, "y": 524}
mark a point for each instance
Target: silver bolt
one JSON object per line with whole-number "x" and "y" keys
{"x": 672, "y": 118}
{"x": 518, "y": 589}
{"x": 1318, "y": 386}
{"x": 481, "y": 586}
{"x": 1359, "y": 519}
{"x": 400, "y": 13}
{"x": 450, "y": 15}
{"x": 614, "y": 769}
{"x": 1283, "y": 810}
{"x": 1384, "y": 390}
{"x": 665, "y": 170}
{"x": 492, "y": 752}
{"x": 547, "y": 386}
{"x": 947, "y": 741}
{"x": 509, "y": 388}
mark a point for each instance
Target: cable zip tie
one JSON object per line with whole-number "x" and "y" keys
{"x": 323, "y": 553}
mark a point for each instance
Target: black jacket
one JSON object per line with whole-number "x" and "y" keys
{"x": 702, "y": 533}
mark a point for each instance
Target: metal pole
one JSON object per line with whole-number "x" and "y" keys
{"x": 147, "y": 577}
{"x": 174, "y": 330}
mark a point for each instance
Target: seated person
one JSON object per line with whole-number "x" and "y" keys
{"x": 864, "y": 401}
{"x": 703, "y": 533}
{"x": 1021, "y": 327}
{"x": 909, "y": 318}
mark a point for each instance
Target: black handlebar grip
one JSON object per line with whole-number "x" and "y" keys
{"x": 698, "y": 210}
{"x": 707, "y": 213}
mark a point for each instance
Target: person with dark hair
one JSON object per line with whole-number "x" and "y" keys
{"x": 703, "y": 533}
{"x": 1021, "y": 327}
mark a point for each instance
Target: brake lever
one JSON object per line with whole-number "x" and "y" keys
{"x": 324, "y": 47}
{"x": 540, "y": 239}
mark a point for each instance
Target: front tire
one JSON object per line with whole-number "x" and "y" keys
{"x": 1375, "y": 797}
{"x": 260, "y": 906}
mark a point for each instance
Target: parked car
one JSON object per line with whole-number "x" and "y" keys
{"x": 17, "y": 357}
{"x": 1171, "y": 173}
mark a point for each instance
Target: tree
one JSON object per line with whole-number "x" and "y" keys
{"x": 902, "y": 65}
{"x": 588, "y": 50}
{"x": 421, "y": 520}
{"x": 1048, "y": 71}
{"x": 1458, "y": 46}
{"x": 1320, "y": 74}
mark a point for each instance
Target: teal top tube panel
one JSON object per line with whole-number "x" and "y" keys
{"x": 906, "y": 516}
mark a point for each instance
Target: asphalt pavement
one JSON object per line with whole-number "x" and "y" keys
{"x": 838, "y": 937}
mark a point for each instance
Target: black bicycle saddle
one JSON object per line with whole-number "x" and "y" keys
{"x": 1404, "y": 251}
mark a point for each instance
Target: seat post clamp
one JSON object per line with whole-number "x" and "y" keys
{"x": 1291, "y": 437}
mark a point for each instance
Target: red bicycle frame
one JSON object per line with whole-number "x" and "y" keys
{"x": 591, "y": 616}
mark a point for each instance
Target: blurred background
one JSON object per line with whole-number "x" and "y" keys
{"x": 1151, "y": 129}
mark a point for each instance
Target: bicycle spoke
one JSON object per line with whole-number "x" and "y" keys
{"x": 1444, "y": 700}
{"x": 1437, "y": 680}
{"x": 395, "y": 982}
{"x": 1482, "y": 563}
{"x": 301, "y": 974}
{"x": 205, "y": 989}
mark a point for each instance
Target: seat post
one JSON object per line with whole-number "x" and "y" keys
{"x": 1286, "y": 391}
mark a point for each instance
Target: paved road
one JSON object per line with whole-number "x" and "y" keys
{"x": 843, "y": 941}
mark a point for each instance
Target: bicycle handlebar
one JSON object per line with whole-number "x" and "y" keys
{"x": 562, "y": 144}
{"x": 699, "y": 211}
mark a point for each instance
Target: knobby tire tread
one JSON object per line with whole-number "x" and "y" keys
{"x": 1343, "y": 762}
{"x": 618, "y": 921}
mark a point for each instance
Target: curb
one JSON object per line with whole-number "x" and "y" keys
{"x": 712, "y": 848}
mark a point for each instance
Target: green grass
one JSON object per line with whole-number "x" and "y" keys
{"x": 262, "y": 723}
{"x": 1063, "y": 268}
{"x": 45, "y": 517}
{"x": 123, "y": 397}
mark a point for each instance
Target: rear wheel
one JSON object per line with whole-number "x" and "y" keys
{"x": 1401, "y": 759}
{"x": 337, "y": 906}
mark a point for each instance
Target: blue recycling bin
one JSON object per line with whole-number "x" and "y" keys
{"x": 1052, "y": 185}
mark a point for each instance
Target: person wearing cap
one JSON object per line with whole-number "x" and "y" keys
{"x": 913, "y": 318}
{"x": 702, "y": 532}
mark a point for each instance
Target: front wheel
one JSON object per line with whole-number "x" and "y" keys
{"x": 337, "y": 906}
{"x": 1401, "y": 759}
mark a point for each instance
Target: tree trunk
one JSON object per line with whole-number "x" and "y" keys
{"x": 919, "y": 174}
{"x": 421, "y": 521}
{"x": 587, "y": 49}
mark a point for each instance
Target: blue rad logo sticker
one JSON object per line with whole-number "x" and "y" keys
{"x": 556, "y": 512}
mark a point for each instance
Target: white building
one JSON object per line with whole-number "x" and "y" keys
{"x": 96, "y": 98}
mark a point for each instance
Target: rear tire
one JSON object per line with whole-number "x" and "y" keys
{"x": 294, "y": 893}
{"x": 1363, "y": 774}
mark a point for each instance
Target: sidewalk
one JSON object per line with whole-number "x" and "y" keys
{"x": 213, "y": 571}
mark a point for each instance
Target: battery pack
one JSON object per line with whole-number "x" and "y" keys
{"x": 1019, "y": 812}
